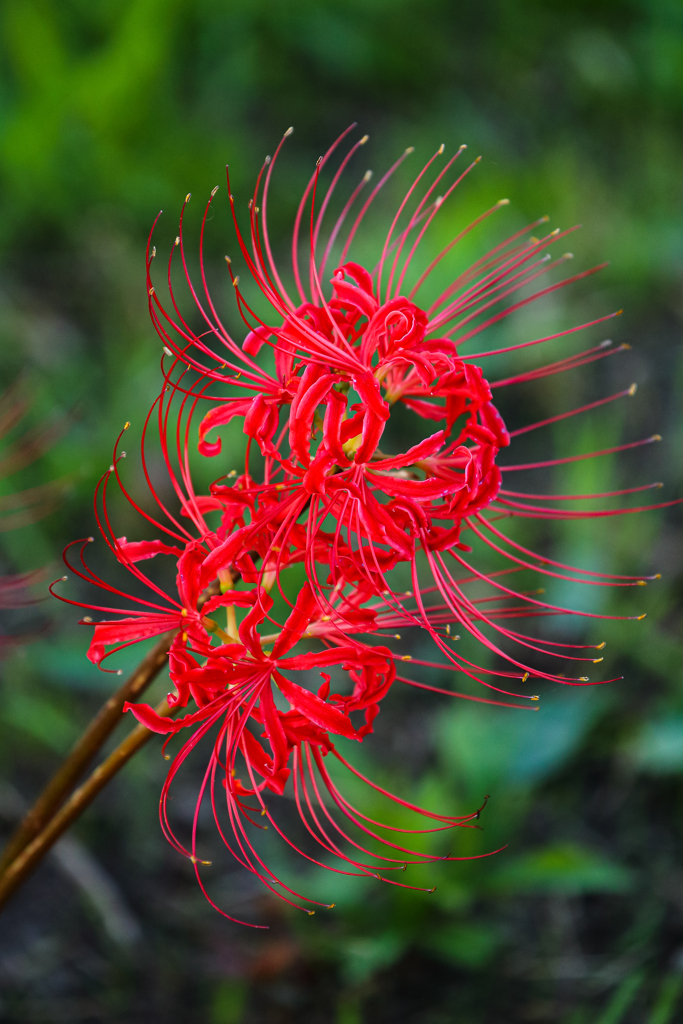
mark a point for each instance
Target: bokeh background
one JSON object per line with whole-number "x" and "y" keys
{"x": 112, "y": 110}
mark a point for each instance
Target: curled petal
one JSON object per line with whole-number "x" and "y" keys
{"x": 138, "y": 550}
{"x": 218, "y": 417}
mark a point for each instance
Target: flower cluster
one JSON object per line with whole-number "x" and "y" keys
{"x": 314, "y": 385}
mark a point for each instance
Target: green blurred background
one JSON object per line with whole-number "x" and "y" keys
{"x": 112, "y": 110}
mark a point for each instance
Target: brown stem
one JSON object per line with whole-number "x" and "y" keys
{"x": 85, "y": 749}
{"x": 34, "y": 851}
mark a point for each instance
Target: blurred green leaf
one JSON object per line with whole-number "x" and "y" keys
{"x": 228, "y": 1002}
{"x": 506, "y": 748}
{"x": 622, "y": 999}
{"x": 658, "y": 747}
{"x": 561, "y": 868}
{"x": 41, "y": 718}
{"x": 468, "y": 944}
{"x": 364, "y": 956}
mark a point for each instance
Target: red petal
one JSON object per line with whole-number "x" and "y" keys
{"x": 241, "y": 598}
{"x": 420, "y": 490}
{"x": 148, "y": 717}
{"x": 428, "y": 410}
{"x": 297, "y": 622}
{"x": 316, "y": 710}
{"x": 255, "y": 339}
{"x": 218, "y": 417}
{"x": 124, "y": 631}
{"x": 137, "y": 550}
{"x": 415, "y": 454}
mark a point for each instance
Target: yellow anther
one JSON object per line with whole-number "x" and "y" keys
{"x": 632, "y": 390}
{"x": 406, "y": 657}
{"x": 639, "y": 618}
{"x": 525, "y": 677}
{"x": 641, "y": 583}
{"x": 596, "y": 661}
{"x": 397, "y": 636}
{"x": 503, "y": 202}
{"x": 583, "y": 679}
{"x": 126, "y": 425}
{"x": 656, "y": 437}
{"x": 177, "y": 240}
{"x": 151, "y": 291}
{"x": 184, "y": 638}
{"x": 184, "y": 612}
{"x": 214, "y": 190}
{"x": 331, "y": 906}
{"x": 362, "y": 143}
{"x": 441, "y": 149}
{"x": 658, "y": 576}
{"x": 310, "y": 913}
{"x": 263, "y": 812}
{"x": 535, "y": 697}
{"x": 601, "y": 646}
{"x": 188, "y": 197}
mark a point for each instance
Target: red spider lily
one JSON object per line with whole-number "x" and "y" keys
{"x": 330, "y": 498}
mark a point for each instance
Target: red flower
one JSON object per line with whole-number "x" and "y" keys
{"x": 330, "y": 497}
